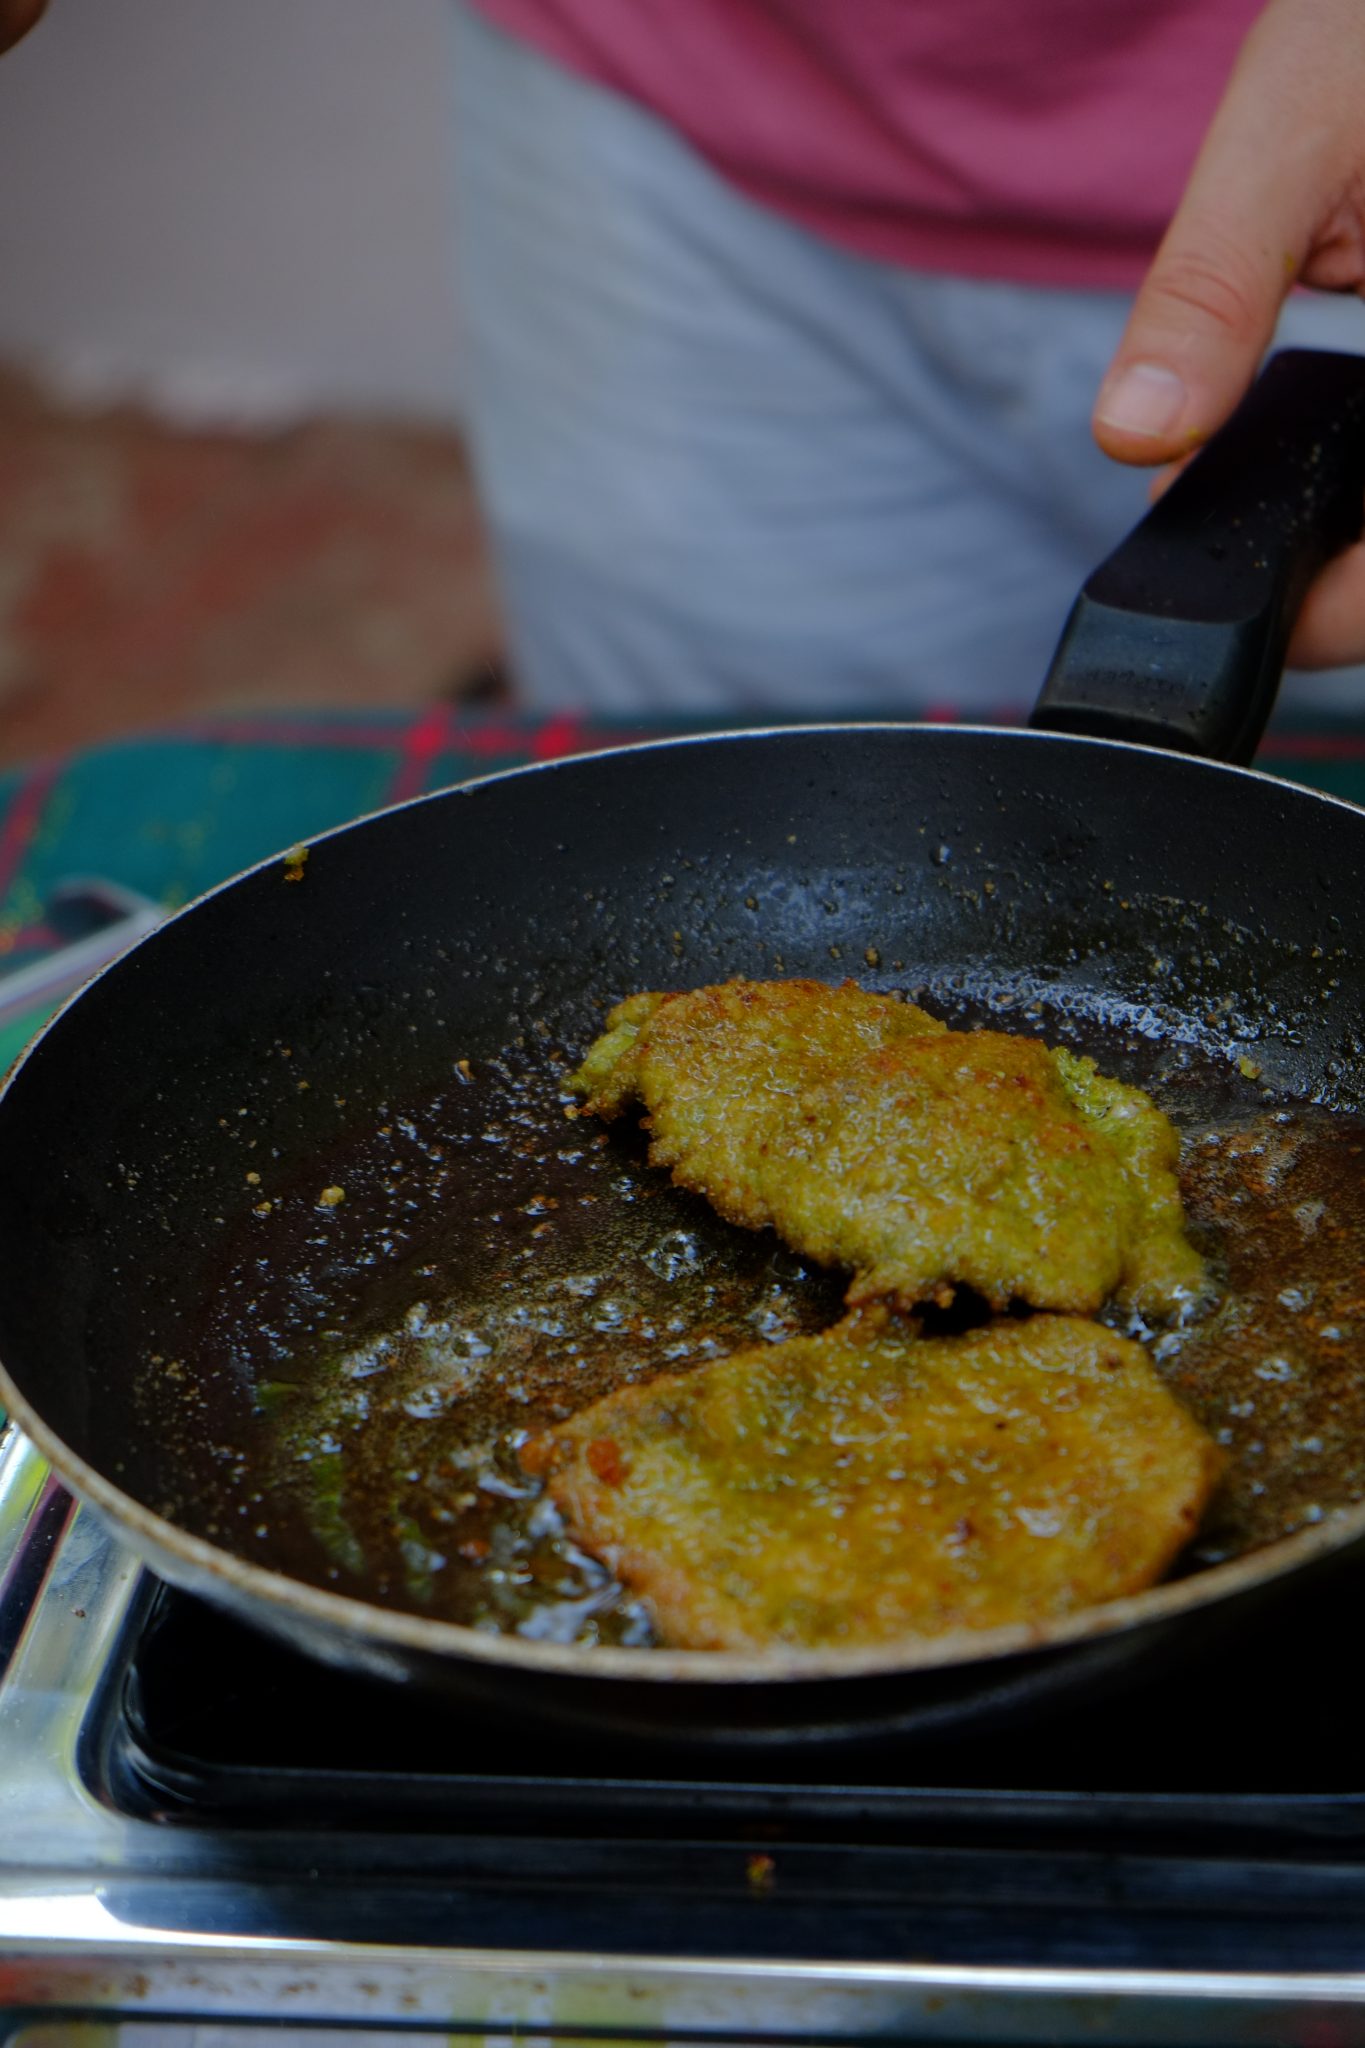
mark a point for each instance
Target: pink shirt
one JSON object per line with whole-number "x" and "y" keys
{"x": 1045, "y": 141}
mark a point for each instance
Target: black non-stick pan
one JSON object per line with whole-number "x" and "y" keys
{"x": 290, "y": 1210}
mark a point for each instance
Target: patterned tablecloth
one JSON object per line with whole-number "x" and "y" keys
{"x": 173, "y": 813}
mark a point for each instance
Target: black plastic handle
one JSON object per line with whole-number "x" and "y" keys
{"x": 1179, "y": 638}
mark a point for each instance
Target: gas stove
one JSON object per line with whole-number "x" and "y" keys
{"x": 199, "y": 1829}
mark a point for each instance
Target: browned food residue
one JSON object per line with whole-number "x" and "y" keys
{"x": 445, "y": 1314}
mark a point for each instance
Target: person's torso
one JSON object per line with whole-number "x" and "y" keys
{"x": 1043, "y": 140}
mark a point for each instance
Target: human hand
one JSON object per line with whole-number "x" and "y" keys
{"x": 1276, "y": 198}
{"x": 17, "y": 18}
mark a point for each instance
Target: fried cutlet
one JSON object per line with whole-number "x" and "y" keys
{"x": 870, "y": 1485}
{"x": 871, "y": 1136}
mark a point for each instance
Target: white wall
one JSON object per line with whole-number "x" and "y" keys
{"x": 234, "y": 207}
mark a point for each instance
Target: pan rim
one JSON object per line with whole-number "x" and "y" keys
{"x": 348, "y": 1615}
{"x": 1011, "y": 734}
{"x": 402, "y": 1629}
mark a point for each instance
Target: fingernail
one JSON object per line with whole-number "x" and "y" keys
{"x": 1144, "y": 398}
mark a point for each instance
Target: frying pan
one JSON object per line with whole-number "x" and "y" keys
{"x": 255, "y": 1127}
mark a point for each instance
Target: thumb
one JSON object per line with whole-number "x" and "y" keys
{"x": 1207, "y": 310}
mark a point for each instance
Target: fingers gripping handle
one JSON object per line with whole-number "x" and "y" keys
{"x": 1179, "y": 638}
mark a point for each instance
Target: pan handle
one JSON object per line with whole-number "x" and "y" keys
{"x": 1179, "y": 638}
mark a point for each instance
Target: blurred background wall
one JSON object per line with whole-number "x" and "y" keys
{"x": 231, "y": 476}
{"x": 235, "y": 209}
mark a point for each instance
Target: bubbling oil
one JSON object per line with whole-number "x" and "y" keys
{"x": 546, "y": 1264}
{"x": 565, "y": 1268}
{"x": 1277, "y": 1200}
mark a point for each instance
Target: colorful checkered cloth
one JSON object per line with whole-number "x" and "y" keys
{"x": 174, "y": 813}
{"x": 171, "y": 814}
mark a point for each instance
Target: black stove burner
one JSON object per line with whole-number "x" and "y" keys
{"x": 1213, "y": 1821}
{"x": 1259, "y": 1745}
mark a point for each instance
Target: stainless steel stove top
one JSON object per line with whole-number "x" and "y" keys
{"x": 869, "y": 1916}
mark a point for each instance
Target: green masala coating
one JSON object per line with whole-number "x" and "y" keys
{"x": 870, "y": 1485}
{"x": 868, "y": 1135}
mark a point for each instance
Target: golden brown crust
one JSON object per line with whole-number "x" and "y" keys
{"x": 870, "y": 1136}
{"x": 871, "y": 1485}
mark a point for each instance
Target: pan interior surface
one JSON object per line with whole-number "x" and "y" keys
{"x": 302, "y": 1243}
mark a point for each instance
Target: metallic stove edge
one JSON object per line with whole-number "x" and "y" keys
{"x": 73, "y": 1872}
{"x": 661, "y": 1997}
